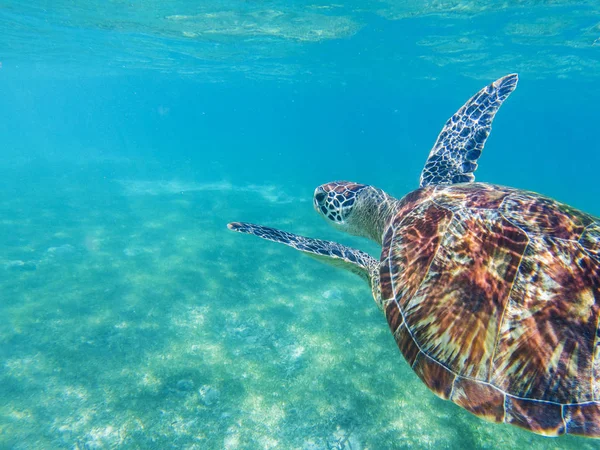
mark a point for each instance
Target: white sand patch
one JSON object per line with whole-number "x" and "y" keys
{"x": 269, "y": 193}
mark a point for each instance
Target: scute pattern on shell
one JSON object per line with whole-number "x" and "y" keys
{"x": 493, "y": 296}
{"x": 550, "y": 324}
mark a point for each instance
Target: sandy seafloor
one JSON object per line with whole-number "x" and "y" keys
{"x": 132, "y": 318}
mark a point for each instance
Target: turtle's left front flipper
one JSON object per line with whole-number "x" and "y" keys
{"x": 329, "y": 252}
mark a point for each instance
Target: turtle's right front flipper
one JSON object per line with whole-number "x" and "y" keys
{"x": 329, "y": 252}
{"x": 453, "y": 158}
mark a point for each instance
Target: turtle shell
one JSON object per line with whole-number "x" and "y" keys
{"x": 493, "y": 297}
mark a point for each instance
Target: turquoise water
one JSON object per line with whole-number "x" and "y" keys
{"x": 132, "y": 132}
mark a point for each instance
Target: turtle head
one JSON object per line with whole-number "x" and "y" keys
{"x": 349, "y": 207}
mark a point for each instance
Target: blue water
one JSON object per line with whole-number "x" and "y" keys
{"x": 132, "y": 132}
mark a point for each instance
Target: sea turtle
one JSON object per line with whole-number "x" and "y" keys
{"x": 492, "y": 293}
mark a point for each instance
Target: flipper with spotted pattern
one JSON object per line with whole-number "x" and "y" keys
{"x": 453, "y": 158}
{"x": 329, "y": 252}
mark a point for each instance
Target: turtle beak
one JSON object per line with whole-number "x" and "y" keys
{"x": 319, "y": 197}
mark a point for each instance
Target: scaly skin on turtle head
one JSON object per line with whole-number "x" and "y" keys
{"x": 355, "y": 208}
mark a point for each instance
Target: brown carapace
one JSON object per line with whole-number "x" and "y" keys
{"x": 493, "y": 297}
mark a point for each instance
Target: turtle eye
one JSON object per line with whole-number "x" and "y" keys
{"x": 320, "y": 196}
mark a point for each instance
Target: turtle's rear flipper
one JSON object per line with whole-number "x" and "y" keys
{"x": 329, "y": 252}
